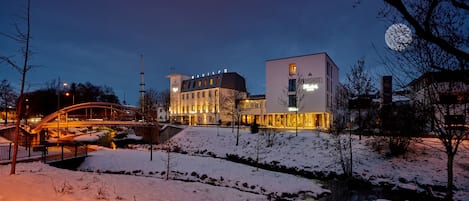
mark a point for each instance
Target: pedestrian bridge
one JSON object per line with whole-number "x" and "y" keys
{"x": 104, "y": 114}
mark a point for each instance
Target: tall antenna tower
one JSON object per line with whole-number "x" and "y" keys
{"x": 142, "y": 86}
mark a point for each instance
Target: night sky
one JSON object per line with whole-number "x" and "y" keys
{"x": 101, "y": 41}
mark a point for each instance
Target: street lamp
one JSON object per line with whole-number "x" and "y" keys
{"x": 60, "y": 85}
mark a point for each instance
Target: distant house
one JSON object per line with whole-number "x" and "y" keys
{"x": 162, "y": 113}
{"x": 446, "y": 93}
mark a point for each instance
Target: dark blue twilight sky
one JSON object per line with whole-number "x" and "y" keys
{"x": 100, "y": 41}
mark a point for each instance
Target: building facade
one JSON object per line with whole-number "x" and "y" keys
{"x": 300, "y": 91}
{"x": 447, "y": 94}
{"x": 207, "y": 99}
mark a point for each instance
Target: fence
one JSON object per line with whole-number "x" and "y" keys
{"x": 6, "y": 152}
{"x": 46, "y": 153}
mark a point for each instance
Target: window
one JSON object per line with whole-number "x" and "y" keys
{"x": 198, "y": 94}
{"x": 205, "y": 83}
{"x": 203, "y": 94}
{"x": 192, "y": 95}
{"x": 292, "y": 85}
{"x": 291, "y": 100}
{"x": 292, "y": 69}
{"x": 211, "y": 81}
{"x": 199, "y": 83}
{"x": 209, "y": 93}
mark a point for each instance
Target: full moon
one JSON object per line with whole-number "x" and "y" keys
{"x": 398, "y": 37}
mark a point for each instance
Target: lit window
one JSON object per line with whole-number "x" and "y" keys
{"x": 205, "y": 83}
{"x": 200, "y": 83}
{"x": 211, "y": 81}
{"x": 292, "y": 69}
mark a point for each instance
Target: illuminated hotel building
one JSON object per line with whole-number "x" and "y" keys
{"x": 299, "y": 92}
{"x": 298, "y": 89}
{"x": 205, "y": 99}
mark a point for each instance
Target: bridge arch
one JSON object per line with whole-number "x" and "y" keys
{"x": 124, "y": 109}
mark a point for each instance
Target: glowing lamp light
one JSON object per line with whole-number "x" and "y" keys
{"x": 310, "y": 87}
{"x": 175, "y": 89}
{"x": 292, "y": 109}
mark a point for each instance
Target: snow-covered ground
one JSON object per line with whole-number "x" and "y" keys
{"x": 200, "y": 169}
{"x": 135, "y": 177}
{"x": 424, "y": 164}
{"x": 39, "y": 182}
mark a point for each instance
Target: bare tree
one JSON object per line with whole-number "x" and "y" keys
{"x": 359, "y": 85}
{"x": 230, "y": 103}
{"x": 164, "y": 99}
{"x": 169, "y": 146}
{"x": 440, "y": 43}
{"x": 22, "y": 37}
{"x": 151, "y": 101}
{"x": 7, "y": 97}
{"x": 343, "y": 144}
{"x": 294, "y": 95}
{"x": 439, "y": 23}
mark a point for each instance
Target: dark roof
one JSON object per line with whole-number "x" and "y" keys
{"x": 442, "y": 76}
{"x": 229, "y": 80}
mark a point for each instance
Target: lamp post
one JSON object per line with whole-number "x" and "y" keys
{"x": 63, "y": 85}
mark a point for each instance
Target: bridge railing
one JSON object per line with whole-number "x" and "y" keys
{"x": 64, "y": 151}
{"x": 24, "y": 153}
{"x": 47, "y": 152}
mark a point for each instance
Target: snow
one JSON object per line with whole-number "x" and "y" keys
{"x": 40, "y": 182}
{"x": 91, "y": 137}
{"x": 219, "y": 172}
{"x": 135, "y": 177}
{"x": 425, "y": 164}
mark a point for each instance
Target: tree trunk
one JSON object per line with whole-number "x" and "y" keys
{"x": 237, "y": 133}
{"x": 449, "y": 187}
{"x": 359, "y": 124}
{"x": 19, "y": 106}
{"x": 6, "y": 113}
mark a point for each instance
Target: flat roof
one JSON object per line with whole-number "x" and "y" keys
{"x": 304, "y": 55}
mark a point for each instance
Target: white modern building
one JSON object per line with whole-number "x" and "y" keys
{"x": 301, "y": 89}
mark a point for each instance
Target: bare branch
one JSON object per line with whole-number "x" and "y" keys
{"x": 425, "y": 32}
{"x": 10, "y": 62}
{"x": 10, "y": 37}
{"x": 460, "y": 4}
